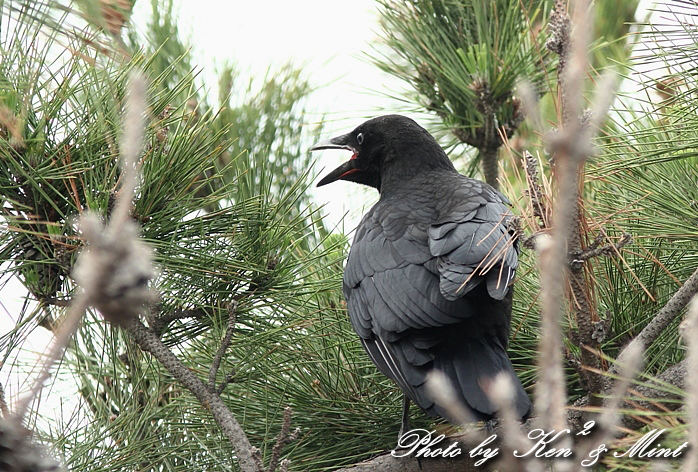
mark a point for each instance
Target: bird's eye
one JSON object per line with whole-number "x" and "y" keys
{"x": 360, "y": 138}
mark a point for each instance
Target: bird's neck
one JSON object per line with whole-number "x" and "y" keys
{"x": 396, "y": 174}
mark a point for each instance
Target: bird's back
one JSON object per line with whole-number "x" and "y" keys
{"x": 427, "y": 285}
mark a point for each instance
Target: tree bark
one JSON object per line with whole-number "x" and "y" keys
{"x": 490, "y": 165}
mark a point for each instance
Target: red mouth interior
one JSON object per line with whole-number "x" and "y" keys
{"x": 351, "y": 171}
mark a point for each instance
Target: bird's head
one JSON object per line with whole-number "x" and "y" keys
{"x": 384, "y": 149}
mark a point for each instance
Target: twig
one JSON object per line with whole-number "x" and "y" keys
{"x": 550, "y": 393}
{"x": 529, "y": 104}
{"x": 113, "y": 274}
{"x": 224, "y": 383}
{"x": 284, "y": 437}
{"x": 441, "y": 391}
{"x": 116, "y": 267}
{"x": 3, "y": 404}
{"x": 160, "y": 323}
{"x": 148, "y": 341}
{"x": 571, "y": 146}
{"x": 60, "y": 342}
{"x": 664, "y": 317}
{"x": 595, "y": 249}
{"x": 225, "y": 343}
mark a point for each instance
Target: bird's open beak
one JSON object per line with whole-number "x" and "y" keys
{"x": 349, "y": 167}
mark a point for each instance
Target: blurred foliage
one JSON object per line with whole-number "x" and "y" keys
{"x": 463, "y": 60}
{"x": 266, "y": 130}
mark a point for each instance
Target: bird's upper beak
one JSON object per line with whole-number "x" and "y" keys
{"x": 349, "y": 167}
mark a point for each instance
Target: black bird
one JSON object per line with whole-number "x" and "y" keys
{"x": 428, "y": 278}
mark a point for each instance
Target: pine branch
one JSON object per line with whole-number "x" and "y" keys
{"x": 650, "y": 397}
{"x": 148, "y": 341}
{"x": 284, "y": 437}
{"x": 596, "y": 249}
{"x": 664, "y": 317}
{"x": 160, "y": 323}
{"x": 225, "y": 343}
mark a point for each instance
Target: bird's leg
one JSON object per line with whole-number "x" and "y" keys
{"x": 405, "y": 426}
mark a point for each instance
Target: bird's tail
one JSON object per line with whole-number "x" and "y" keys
{"x": 471, "y": 368}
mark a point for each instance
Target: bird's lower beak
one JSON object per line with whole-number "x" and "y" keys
{"x": 340, "y": 172}
{"x": 348, "y": 168}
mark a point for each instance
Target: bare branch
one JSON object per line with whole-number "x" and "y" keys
{"x": 609, "y": 418}
{"x": 441, "y": 391}
{"x": 159, "y": 323}
{"x": 571, "y": 145}
{"x": 148, "y": 341}
{"x": 550, "y": 396}
{"x": 284, "y": 437}
{"x": 512, "y": 434}
{"x": 529, "y": 103}
{"x": 131, "y": 146}
{"x": 664, "y": 317}
{"x": 61, "y": 339}
{"x": 115, "y": 268}
{"x": 3, "y": 405}
{"x": 550, "y": 393}
{"x": 225, "y": 344}
{"x": 114, "y": 272}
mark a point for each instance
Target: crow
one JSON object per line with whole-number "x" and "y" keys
{"x": 428, "y": 279}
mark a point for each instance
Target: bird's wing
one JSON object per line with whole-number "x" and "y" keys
{"x": 403, "y": 273}
{"x": 386, "y": 282}
{"x": 474, "y": 244}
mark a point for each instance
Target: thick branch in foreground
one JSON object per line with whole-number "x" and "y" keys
{"x": 664, "y": 317}
{"x": 148, "y": 341}
{"x": 571, "y": 146}
{"x": 387, "y": 463}
{"x": 460, "y": 463}
{"x": 659, "y": 399}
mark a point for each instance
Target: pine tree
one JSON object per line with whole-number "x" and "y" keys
{"x": 249, "y": 279}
